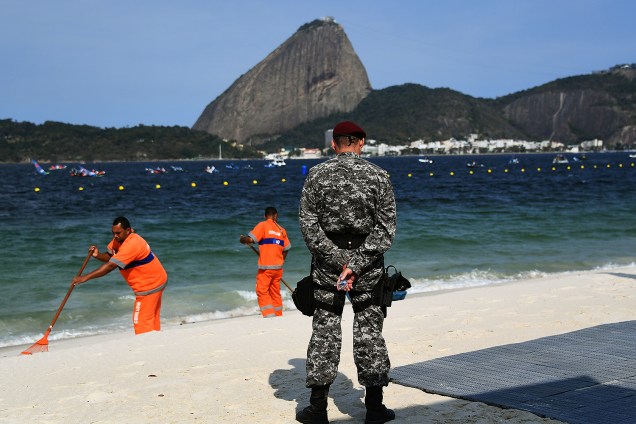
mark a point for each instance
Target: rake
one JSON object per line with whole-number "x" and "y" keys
{"x": 42, "y": 345}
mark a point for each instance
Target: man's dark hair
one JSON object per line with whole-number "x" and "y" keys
{"x": 270, "y": 211}
{"x": 123, "y": 221}
{"x": 340, "y": 140}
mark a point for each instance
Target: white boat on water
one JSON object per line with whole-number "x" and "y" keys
{"x": 426, "y": 160}
{"x": 560, "y": 159}
{"x": 474, "y": 164}
{"x": 276, "y": 162}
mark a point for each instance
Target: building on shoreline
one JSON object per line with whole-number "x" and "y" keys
{"x": 476, "y": 146}
{"x": 452, "y": 146}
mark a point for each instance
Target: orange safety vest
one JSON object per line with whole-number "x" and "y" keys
{"x": 272, "y": 242}
{"x": 138, "y": 265}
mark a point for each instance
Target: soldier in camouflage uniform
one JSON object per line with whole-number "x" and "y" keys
{"x": 348, "y": 220}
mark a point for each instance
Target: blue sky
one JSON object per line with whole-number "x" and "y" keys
{"x": 115, "y": 63}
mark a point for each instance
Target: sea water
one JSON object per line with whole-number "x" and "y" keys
{"x": 458, "y": 226}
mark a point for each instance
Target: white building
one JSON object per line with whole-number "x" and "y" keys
{"x": 307, "y": 153}
{"x": 328, "y": 138}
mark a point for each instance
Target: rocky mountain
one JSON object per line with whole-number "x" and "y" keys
{"x": 600, "y": 105}
{"x": 313, "y": 74}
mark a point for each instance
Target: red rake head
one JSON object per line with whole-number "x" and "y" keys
{"x": 41, "y": 345}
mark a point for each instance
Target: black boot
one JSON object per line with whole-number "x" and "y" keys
{"x": 377, "y": 413}
{"x": 316, "y": 412}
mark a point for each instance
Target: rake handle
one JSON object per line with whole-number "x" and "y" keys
{"x": 70, "y": 289}
{"x": 281, "y": 278}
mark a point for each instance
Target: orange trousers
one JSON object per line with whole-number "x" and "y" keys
{"x": 268, "y": 292}
{"x": 146, "y": 313}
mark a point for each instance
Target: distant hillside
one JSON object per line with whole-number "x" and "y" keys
{"x": 398, "y": 114}
{"x": 58, "y": 142}
{"x": 570, "y": 110}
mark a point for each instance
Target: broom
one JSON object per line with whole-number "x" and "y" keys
{"x": 258, "y": 254}
{"x": 42, "y": 345}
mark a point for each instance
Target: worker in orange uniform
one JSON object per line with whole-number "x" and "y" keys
{"x": 273, "y": 246}
{"x": 141, "y": 269}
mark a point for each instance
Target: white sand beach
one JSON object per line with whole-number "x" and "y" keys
{"x": 251, "y": 370}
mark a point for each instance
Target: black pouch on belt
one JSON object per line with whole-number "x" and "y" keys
{"x": 303, "y": 296}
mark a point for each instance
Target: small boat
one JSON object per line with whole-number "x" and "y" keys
{"x": 474, "y": 164}
{"x": 276, "y": 162}
{"x": 210, "y": 169}
{"x": 232, "y": 166}
{"x": 80, "y": 171}
{"x": 56, "y": 167}
{"x": 425, "y": 160}
{"x": 177, "y": 168}
{"x": 633, "y": 155}
{"x": 560, "y": 159}
{"x": 513, "y": 161}
{"x": 157, "y": 170}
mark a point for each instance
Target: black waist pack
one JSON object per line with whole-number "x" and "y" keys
{"x": 303, "y": 296}
{"x": 392, "y": 286}
{"x": 397, "y": 283}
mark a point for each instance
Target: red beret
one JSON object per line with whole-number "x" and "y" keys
{"x": 349, "y": 128}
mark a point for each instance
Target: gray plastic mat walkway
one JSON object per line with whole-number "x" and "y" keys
{"x": 587, "y": 376}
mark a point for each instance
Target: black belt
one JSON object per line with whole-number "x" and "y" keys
{"x": 347, "y": 240}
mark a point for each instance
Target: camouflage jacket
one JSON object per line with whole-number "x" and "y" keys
{"x": 347, "y": 194}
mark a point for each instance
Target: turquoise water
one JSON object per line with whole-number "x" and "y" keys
{"x": 457, "y": 227}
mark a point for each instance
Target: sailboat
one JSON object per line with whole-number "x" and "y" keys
{"x": 38, "y": 168}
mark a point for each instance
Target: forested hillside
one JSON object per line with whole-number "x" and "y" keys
{"x": 56, "y": 142}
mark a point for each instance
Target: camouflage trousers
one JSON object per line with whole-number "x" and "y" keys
{"x": 369, "y": 348}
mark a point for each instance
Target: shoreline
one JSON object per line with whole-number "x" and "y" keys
{"x": 249, "y": 369}
{"x": 551, "y": 153}
{"x": 178, "y": 321}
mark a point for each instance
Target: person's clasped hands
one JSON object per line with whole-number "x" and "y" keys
{"x": 345, "y": 279}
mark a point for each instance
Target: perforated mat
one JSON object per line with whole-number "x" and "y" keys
{"x": 587, "y": 376}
